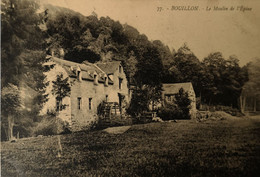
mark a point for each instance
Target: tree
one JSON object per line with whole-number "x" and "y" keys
{"x": 10, "y": 105}
{"x": 251, "y": 89}
{"x": 147, "y": 79}
{"x": 22, "y": 54}
{"x": 183, "y": 102}
{"x": 228, "y": 79}
{"x": 61, "y": 89}
{"x": 166, "y": 55}
{"x": 188, "y": 68}
{"x": 20, "y": 31}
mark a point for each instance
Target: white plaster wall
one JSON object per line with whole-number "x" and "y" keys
{"x": 85, "y": 89}
{"x": 50, "y": 105}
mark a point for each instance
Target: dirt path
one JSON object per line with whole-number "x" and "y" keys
{"x": 117, "y": 130}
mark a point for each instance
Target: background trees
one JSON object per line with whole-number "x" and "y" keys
{"x": 190, "y": 69}
{"x": 251, "y": 90}
{"x": 228, "y": 80}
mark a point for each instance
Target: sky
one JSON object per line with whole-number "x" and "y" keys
{"x": 229, "y": 32}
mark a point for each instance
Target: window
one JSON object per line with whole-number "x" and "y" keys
{"x": 120, "y": 69}
{"x": 90, "y": 103}
{"x": 79, "y": 102}
{"x": 95, "y": 79}
{"x": 168, "y": 97}
{"x": 120, "y": 83}
{"x": 106, "y": 98}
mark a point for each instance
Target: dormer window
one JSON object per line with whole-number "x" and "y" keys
{"x": 106, "y": 81}
{"x": 120, "y": 83}
{"x": 95, "y": 79}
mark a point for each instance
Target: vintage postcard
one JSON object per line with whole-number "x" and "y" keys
{"x": 130, "y": 88}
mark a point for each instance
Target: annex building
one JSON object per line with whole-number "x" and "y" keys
{"x": 171, "y": 89}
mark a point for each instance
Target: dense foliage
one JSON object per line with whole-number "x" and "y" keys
{"x": 216, "y": 80}
{"x": 22, "y": 56}
{"x": 61, "y": 89}
{"x": 178, "y": 108}
{"x": 251, "y": 90}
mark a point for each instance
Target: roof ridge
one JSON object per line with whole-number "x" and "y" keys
{"x": 99, "y": 68}
{"x": 177, "y": 83}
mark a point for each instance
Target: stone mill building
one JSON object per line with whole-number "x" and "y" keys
{"x": 90, "y": 84}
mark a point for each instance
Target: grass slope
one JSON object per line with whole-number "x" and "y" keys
{"x": 187, "y": 148}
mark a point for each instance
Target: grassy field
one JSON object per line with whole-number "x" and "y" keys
{"x": 186, "y": 148}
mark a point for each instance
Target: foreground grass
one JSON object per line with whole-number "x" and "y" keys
{"x": 186, "y": 148}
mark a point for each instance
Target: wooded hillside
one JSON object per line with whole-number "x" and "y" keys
{"x": 216, "y": 80}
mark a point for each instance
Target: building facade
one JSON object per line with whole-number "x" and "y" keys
{"x": 90, "y": 85}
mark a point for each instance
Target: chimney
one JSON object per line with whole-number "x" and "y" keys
{"x": 62, "y": 53}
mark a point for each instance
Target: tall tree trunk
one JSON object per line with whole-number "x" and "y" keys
{"x": 10, "y": 119}
{"x": 242, "y": 103}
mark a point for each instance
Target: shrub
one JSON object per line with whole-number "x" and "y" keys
{"x": 50, "y": 125}
{"x": 178, "y": 109}
{"x": 168, "y": 111}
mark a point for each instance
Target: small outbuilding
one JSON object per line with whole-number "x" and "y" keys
{"x": 171, "y": 89}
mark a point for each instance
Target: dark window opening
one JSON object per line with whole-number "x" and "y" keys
{"x": 90, "y": 103}
{"x": 120, "y": 69}
{"x": 79, "y": 102}
{"x": 95, "y": 79}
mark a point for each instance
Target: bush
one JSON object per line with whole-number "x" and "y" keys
{"x": 171, "y": 112}
{"x": 168, "y": 111}
{"x": 50, "y": 125}
{"x": 178, "y": 109}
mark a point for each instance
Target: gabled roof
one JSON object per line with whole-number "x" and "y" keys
{"x": 109, "y": 67}
{"x": 87, "y": 69}
{"x": 174, "y": 88}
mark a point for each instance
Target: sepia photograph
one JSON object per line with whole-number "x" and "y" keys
{"x": 162, "y": 88}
